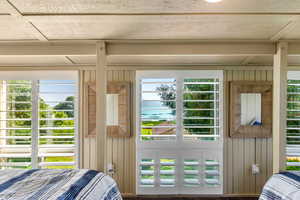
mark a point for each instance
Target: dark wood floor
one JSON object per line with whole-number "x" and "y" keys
{"x": 188, "y": 198}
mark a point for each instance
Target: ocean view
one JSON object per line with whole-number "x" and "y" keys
{"x": 156, "y": 110}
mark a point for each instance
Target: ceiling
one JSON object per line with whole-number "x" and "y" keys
{"x": 52, "y": 20}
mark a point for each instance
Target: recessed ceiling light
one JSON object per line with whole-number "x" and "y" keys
{"x": 213, "y": 1}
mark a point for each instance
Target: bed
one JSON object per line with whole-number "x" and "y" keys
{"x": 282, "y": 186}
{"x": 46, "y": 184}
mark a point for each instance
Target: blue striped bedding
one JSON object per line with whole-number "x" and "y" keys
{"x": 282, "y": 186}
{"x": 43, "y": 184}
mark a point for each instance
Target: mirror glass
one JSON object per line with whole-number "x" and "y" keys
{"x": 112, "y": 109}
{"x": 251, "y": 109}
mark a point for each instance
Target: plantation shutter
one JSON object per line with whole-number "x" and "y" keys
{"x": 161, "y": 110}
{"x": 201, "y": 109}
{"x": 57, "y": 124}
{"x": 179, "y": 141}
{"x": 16, "y": 126}
{"x": 293, "y": 121}
{"x": 38, "y": 119}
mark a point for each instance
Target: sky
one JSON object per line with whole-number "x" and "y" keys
{"x": 57, "y": 90}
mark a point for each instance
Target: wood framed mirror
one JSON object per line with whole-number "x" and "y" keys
{"x": 118, "y": 107}
{"x": 90, "y": 108}
{"x": 250, "y": 109}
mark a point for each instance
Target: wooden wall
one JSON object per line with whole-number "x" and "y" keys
{"x": 239, "y": 154}
{"x": 119, "y": 151}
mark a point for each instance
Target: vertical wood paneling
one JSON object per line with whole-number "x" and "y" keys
{"x": 86, "y": 142}
{"x": 87, "y": 145}
{"x": 229, "y": 143}
{"x": 121, "y": 151}
{"x": 225, "y": 153}
{"x": 93, "y": 143}
{"x": 239, "y": 154}
{"x": 242, "y": 153}
{"x": 81, "y": 118}
{"x": 269, "y": 146}
{"x": 249, "y": 152}
{"x": 109, "y": 142}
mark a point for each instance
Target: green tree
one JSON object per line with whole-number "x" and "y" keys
{"x": 202, "y": 109}
{"x": 19, "y": 102}
{"x": 68, "y": 104}
{"x": 19, "y": 106}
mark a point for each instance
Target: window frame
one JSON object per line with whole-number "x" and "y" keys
{"x": 291, "y": 75}
{"x": 34, "y": 77}
{"x": 169, "y": 148}
{"x": 178, "y": 75}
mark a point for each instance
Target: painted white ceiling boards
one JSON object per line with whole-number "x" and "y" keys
{"x": 81, "y": 20}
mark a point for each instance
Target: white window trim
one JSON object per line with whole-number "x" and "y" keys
{"x": 147, "y": 146}
{"x": 179, "y": 75}
{"x": 35, "y": 76}
{"x": 291, "y": 75}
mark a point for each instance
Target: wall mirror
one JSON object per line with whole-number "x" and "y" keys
{"x": 112, "y": 109}
{"x": 118, "y": 109}
{"x": 250, "y": 109}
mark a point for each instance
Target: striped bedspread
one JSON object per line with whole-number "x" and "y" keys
{"x": 282, "y": 186}
{"x": 43, "y": 184}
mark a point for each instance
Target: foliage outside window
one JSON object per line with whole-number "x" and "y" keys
{"x": 179, "y": 146}
{"x": 293, "y": 125}
{"x": 43, "y": 111}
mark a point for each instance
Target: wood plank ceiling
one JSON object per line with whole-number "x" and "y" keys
{"x": 52, "y": 20}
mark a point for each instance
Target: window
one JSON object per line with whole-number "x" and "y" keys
{"x": 293, "y": 121}
{"x": 179, "y": 125}
{"x": 38, "y": 120}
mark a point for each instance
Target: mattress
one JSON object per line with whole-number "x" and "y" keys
{"x": 282, "y": 186}
{"x": 46, "y": 184}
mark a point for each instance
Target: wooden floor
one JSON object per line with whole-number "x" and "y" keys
{"x": 188, "y": 198}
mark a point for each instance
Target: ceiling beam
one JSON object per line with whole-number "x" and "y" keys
{"x": 149, "y": 48}
{"x": 47, "y": 49}
{"x": 286, "y": 29}
{"x": 247, "y": 60}
{"x": 70, "y": 60}
{"x": 29, "y": 27}
{"x": 191, "y": 48}
{"x": 294, "y": 49}
{"x": 46, "y": 67}
{"x": 207, "y": 13}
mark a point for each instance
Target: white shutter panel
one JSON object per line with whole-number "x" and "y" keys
{"x": 212, "y": 172}
{"x": 15, "y": 124}
{"x": 38, "y": 122}
{"x": 201, "y": 109}
{"x": 191, "y": 172}
{"x": 179, "y": 125}
{"x": 158, "y": 109}
{"x": 147, "y": 172}
{"x": 167, "y": 172}
{"x": 56, "y": 147}
{"x": 293, "y": 122}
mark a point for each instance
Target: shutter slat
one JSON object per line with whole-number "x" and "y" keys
{"x": 191, "y": 172}
{"x": 147, "y": 172}
{"x": 293, "y": 126}
{"x": 212, "y": 181}
{"x": 192, "y": 181}
{"x": 167, "y": 172}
